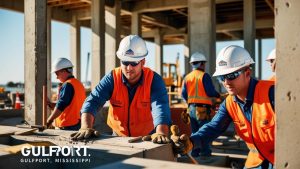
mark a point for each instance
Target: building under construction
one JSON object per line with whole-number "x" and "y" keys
{"x": 198, "y": 25}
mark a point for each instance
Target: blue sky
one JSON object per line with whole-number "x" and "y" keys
{"x": 12, "y": 48}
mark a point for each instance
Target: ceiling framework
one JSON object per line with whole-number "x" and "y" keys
{"x": 171, "y": 16}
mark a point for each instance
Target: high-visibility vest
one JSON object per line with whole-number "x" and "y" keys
{"x": 259, "y": 134}
{"x": 134, "y": 119}
{"x": 71, "y": 115}
{"x": 195, "y": 88}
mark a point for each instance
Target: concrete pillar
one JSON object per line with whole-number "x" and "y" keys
{"x": 49, "y": 84}
{"x": 112, "y": 36}
{"x": 202, "y": 30}
{"x": 75, "y": 46}
{"x": 287, "y": 26}
{"x": 249, "y": 28}
{"x": 35, "y": 12}
{"x": 158, "y": 40}
{"x": 136, "y": 25}
{"x": 98, "y": 41}
{"x": 259, "y": 61}
{"x": 186, "y": 53}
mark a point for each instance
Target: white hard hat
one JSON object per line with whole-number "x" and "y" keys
{"x": 231, "y": 59}
{"x": 61, "y": 63}
{"x": 197, "y": 57}
{"x": 272, "y": 55}
{"x": 132, "y": 48}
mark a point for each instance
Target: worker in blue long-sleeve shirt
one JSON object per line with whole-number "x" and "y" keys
{"x": 138, "y": 97}
{"x": 198, "y": 91}
{"x": 250, "y": 105}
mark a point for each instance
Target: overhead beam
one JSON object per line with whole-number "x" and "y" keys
{"x": 236, "y": 26}
{"x": 157, "y": 5}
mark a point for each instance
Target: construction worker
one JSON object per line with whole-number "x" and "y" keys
{"x": 198, "y": 91}
{"x": 272, "y": 59}
{"x": 250, "y": 105}
{"x": 66, "y": 113}
{"x": 138, "y": 97}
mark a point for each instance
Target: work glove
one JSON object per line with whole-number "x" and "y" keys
{"x": 49, "y": 125}
{"x": 85, "y": 133}
{"x": 183, "y": 145}
{"x": 185, "y": 117}
{"x": 157, "y": 138}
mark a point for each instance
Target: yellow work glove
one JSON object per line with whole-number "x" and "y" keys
{"x": 85, "y": 133}
{"x": 183, "y": 145}
{"x": 157, "y": 138}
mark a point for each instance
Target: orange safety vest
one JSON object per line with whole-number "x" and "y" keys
{"x": 258, "y": 135}
{"x": 134, "y": 119}
{"x": 71, "y": 115}
{"x": 195, "y": 89}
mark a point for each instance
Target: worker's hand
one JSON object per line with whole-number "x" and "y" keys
{"x": 85, "y": 133}
{"x": 49, "y": 124}
{"x": 185, "y": 117}
{"x": 157, "y": 138}
{"x": 50, "y": 104}
{"x": 183, "y": 145}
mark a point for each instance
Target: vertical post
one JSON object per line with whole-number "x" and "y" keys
{"x": 49, "y": 82}
{"x": 249, "y": 28}
{"x": 98, "y": 41}
{"x": 259, "y": 62}
{"x": 136, "y": 23}
{"x": 35, "y": 58}
{"x": 158, "y": 39}
{"x": 75, "y": 46}
{"x": 44, "y": 105}
{"x": 287, "y": 26}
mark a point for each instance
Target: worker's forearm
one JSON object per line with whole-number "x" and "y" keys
{"x": 87, "y": 120}
{"x": 56, "y": 112}
{"x": 162, "y": 129}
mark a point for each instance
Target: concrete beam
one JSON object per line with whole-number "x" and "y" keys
{"x": 157, "y": 5}
{"x": 49, "y": 57}
{"x": 237, "y": 26}
{"x": 287, "y": 26}
{"x": 35, "y": 58}
{"x": 163, "y": 20}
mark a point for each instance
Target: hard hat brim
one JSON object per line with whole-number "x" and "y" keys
{"x": 227, "y": 71}
{"x": 130, "y": 59}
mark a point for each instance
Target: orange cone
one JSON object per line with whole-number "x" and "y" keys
{"x": 17, "y": 103}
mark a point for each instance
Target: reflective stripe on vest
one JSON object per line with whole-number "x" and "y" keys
{"x": 195, "y": 89}
{"x": 135, "y": 120}
{"x": 71, "y": 115}
{"x": 259, "y": 135}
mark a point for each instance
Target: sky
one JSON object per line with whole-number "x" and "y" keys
{"x": 12, "y": 48}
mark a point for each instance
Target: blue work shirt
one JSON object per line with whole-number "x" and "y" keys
{"x": 159, "y": 98}
{"x": 222, "y": 119}
{"x": 66, "y": 94}
{"x": 207, "y": 85}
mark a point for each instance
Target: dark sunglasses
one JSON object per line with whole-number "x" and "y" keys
{"x": 230, "y": 76}
{"x": 126, "y": 63}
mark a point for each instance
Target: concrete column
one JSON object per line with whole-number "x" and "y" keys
{"x": 259, "y": 62}
{"x": 287, "y": 26}
{"x": 35, "y": 12}
{"x": 98, "y": 41}
{"x": 136, "y": 26}
{"x": 187, "y": 67}
{"x": 158, "y": 40}
{"x": 249, "y": 28}
{"x": 75, "y": 46}
{"x": 49, "y": 84}
{"x": 202, "y": 30}
{"x": 112, "y": 36}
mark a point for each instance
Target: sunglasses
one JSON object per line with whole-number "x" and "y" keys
{"x": 230, "y": 76}
{"x": 126, "y": 63}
